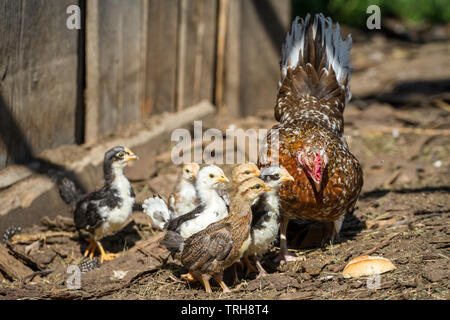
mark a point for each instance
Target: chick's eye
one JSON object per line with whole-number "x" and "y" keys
{"x": 121, "y": 154}
{"x": 276, "y": 175}
{"x": 211, "y": 175}
{"x": 247, "y": 172}
{"x": 258, "y": 186}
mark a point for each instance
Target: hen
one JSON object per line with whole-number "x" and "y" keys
{"x": 313, "y": 92}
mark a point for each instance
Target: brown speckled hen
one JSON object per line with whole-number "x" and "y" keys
{"x": 212, "y": 250}
{"x": 313, "y": 92}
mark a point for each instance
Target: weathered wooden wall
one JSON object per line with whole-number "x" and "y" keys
{"x": 132, "y": 59}
{"x": 38, "y": 78}
{"x": 114, "y": 43}
{"x": 256, "y": 31}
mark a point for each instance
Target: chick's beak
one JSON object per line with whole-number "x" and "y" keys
{"x": 287, "y": 176}
{"x": 131, "y": 156}
{"x": 267, "y": 188}
{"x": 223, "y": 179}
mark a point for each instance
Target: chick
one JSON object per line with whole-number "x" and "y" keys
{"x": 266, "y": 216}
{"x": 240, "y": 173}
{"x": 104, "y": 211}
{"x": 211, "y": 209}
{"x": 212, "y": 250}
{"x": 183, "y": 200}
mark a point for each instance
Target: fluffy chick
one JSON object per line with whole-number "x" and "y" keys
{"x": 104, "y": 211}
{"x": 211, "y": 209}
{"x": 183, "y": 199}
{"x": 266, "y": 216}
{"x": 209, "y": 252}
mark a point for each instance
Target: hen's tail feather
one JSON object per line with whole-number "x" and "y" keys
{"x": 68, "y": 191}
{"x": 158, "y": 211}
{"x": 316, "y": 61}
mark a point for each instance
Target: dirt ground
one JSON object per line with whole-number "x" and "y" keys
{"x": 398, "y": 125}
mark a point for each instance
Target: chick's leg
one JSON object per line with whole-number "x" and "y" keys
{"x": 90, "y": 250}
{"x": 205, "y": 280}
{"x": 219, "y": 279}
{"x": 262, "y": 272}
{"x": 250, "y": 267}
{"x": 189, "y": 277}
{"x": 235, "y": 272}
{"x": 103, "y": 255}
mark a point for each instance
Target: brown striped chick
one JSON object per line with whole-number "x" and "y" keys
{"x": 184, "y": 197}
{"x": 209, "y": 252}
{"x": 240, "y": 173}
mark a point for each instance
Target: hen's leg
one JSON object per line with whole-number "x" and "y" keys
{"x": 284, "y": 254}
{"x": 332, "y": 231}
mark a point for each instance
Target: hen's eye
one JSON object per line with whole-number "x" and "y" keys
{"x": 211, "y": 175}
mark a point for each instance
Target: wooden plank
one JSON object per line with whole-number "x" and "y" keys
{"x": 262, "y": 28}
{"x": 230, "y": 103}
{"x": 115, "y": 37}
{"x": 222, "y": 26}
{"x": 196, "y": 54}
{"x": 161, "y": 59}
{"x": 38, "y": 78}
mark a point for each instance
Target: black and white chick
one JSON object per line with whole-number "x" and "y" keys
{"x": 103, "y": 211}
{"x": 211, "y": 208}
{"x": 266, "y": 216}
{"x": 183, "y": 199}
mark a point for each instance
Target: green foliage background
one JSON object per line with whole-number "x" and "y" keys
{"x": 353, "y": 12}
